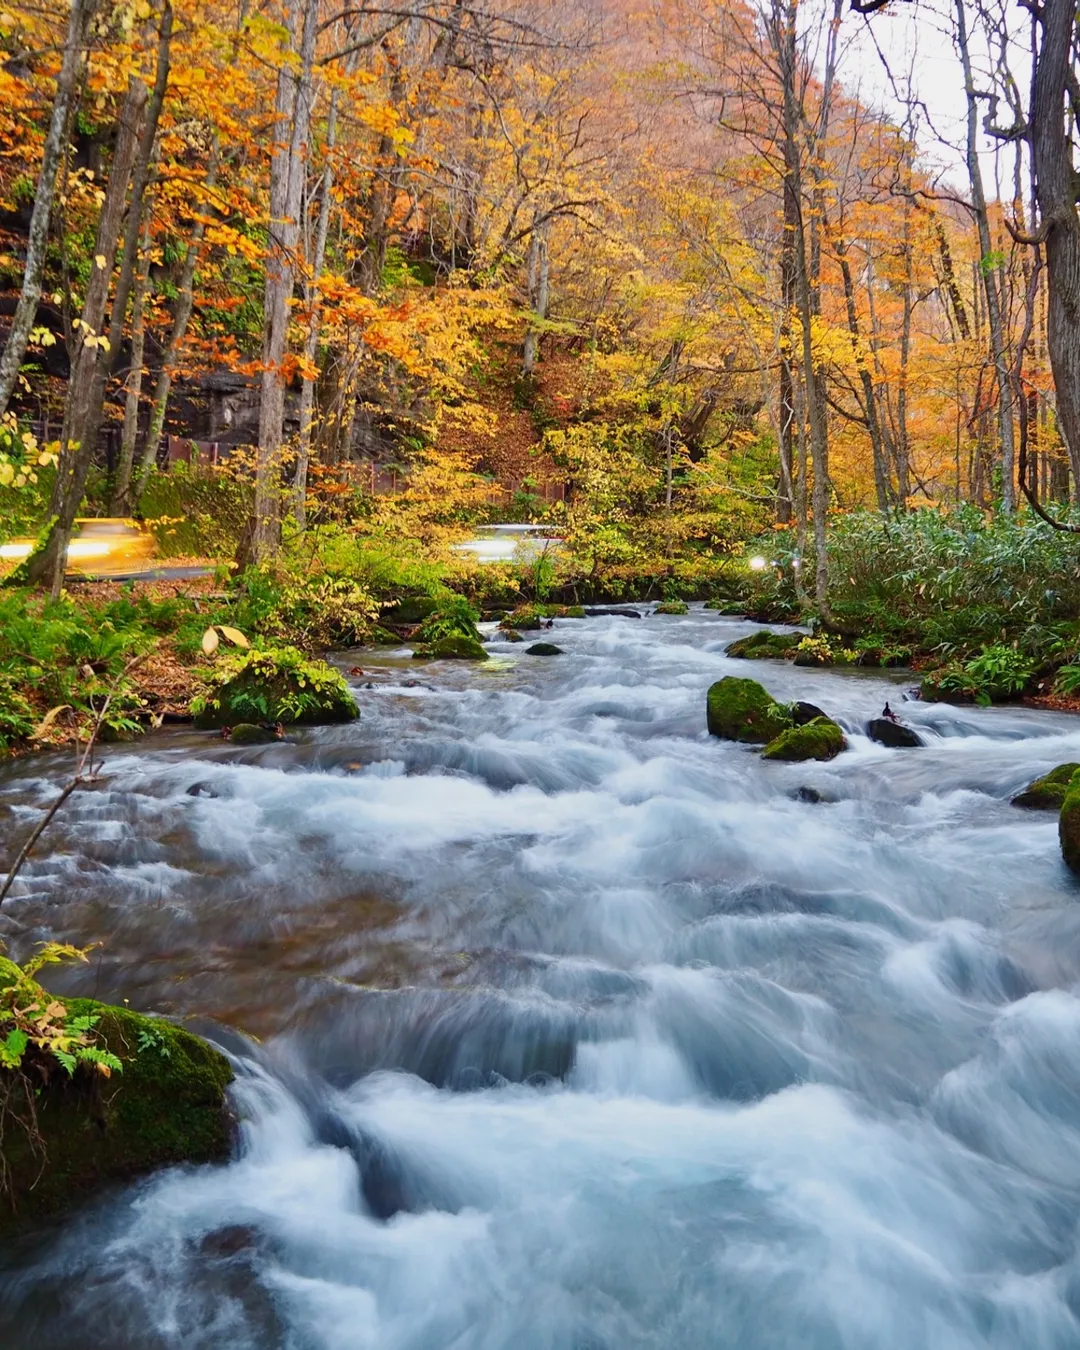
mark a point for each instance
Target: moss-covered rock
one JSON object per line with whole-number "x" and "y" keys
{"x": 1069, "y": 825}
{"x": 277, "y": 685}
{"x": 820, "y": 739}
{"x": 457, "y": 648}
{"x": 247, "y": 733}
{"x": 1048, "y": 792}
{"x": 167, "y": 1106}
{"x": 731, "y": 607}
{"x": 741, "y": 710}
{"x": 763, "y": 646}
{"x": 672, "y": 607}
{"x": 543, "y": 649}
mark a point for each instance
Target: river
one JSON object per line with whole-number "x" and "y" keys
{"x": 567, "y": 1027}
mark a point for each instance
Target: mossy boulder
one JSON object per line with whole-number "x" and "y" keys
{"x": 543, "y": 649}
{"x": 454, "y": 648}
{"x": 247, "y": 733}
{"x": 1048, "y": 792}
{"x": 742, "y": 710}
{"x": 730, "y": 607}
{"x": 763, "y": 646}
{"x": 277, "y": 685}
{"x": 820, "y": 739}
{"x": 1069, "y": 825}
{"x": 672, "y": 607}
{"x": 167, "y": 1106}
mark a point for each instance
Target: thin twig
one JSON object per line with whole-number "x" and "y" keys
{"x": 81, "y": 778}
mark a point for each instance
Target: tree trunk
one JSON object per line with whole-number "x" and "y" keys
{"x": 990, "y": 271}
{"x": 185, "y": 303}
{"x": 311, "y": 344}
{"x": 539, "y": 293}
{"x": 67, "y": 82}
{"x": 785, "y": 497}
{"x": 133, "y": 394}
{"x": 89, "y": 354}
{"x": 1056, "y": 193}
{"x": 287, "y": 169}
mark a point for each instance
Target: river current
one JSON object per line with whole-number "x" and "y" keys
{"x": 560, "y": 1025}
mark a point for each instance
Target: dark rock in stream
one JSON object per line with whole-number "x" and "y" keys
{"x": 543, "y": 649}
{"x": 615, "y": 613}
{"x": 893, "y": 734}
{"x": 804, "y": 713}
{"x": 202, "y": 790}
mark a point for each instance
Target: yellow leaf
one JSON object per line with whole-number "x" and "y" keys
{"x": 234, "y": 635}
{"x": 210, "y": 641}
{"x": 100, "y": 260}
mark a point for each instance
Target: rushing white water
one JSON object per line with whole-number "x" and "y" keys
{"x": 581, "y": 1030}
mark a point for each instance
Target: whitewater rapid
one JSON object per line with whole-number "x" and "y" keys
{"x": 559, "y": 1025}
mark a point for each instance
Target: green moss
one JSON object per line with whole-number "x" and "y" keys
{"x": 167, "y": 1106}
{"x": 763, "y": 646}
{"x": 1069, "y": 824}
{"x": 820, "y": 739}
{"x": 246, "y": 733}
{"x": 458, "y": 648}
{"x": 279, "y": 685}
{"x": 741, "y": 710}
{"x": 672, "y": 607}
{"x": 1048, "y": 792}
{"x": 733, "y": 607}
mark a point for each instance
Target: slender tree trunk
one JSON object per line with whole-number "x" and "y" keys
{"x": 311, "y": 344}
{"x": 133, "y": 394}
{"x": 185, "y": 303}
{"x": 785, "y": 497}
{"x": 67, "y": 83}
{"x": 539, "y": 292}
{"x": 990, "y": 271}
{"x": 89, "y": 353}
{"x": 869, "y": 399}
{"x": 287, "y": 171}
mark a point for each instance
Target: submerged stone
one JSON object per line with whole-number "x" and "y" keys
{"x": 742, "y": 710}
{"x": 821, "y": 739}
{"x": 1048, "y": 792}
{"x": 1069, "y": 824}
{"x": 167, "y": 1106}
{"x": 893, "y": 734}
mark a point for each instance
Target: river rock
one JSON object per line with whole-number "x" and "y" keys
{"x": 279, "y": 684}
{"x": 1048, "y": 792}
{"x": 455, "y": 648}
{"x": 512, "y": 635}
{"x": 616, "y": 613}
{"x": 821, "y": 739}
{"x": 672, "y": 607}
{"x": 1069, "y": 825}
{"x": 203, "y": 790}
{"x": 893, "y": 734}
{"x": 742, "y": 710}
{"x": 168, "y": 1106}
{"x": 247, "y": 733}
{"x": 803, "y": 713}
{"x": 763, "y": 646}
{"x": 543, "y": 649}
